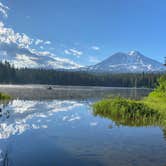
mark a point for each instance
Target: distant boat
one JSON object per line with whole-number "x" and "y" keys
{"x": 49, "y": 88}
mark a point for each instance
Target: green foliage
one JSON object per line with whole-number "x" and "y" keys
{"x": 4, "y": 96}
{"x": 157, "y": 98}
{"x": 151, "y": 109}
{"x": 160, "y": 90}
{"x": 123, "y": 107}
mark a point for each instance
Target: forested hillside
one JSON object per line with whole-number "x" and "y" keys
{"x": 9, "y": 74}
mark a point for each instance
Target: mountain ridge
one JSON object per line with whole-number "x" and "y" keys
{"x": 131, "y": 62}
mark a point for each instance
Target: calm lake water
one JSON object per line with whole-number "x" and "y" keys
{"x": 42, "y": 127}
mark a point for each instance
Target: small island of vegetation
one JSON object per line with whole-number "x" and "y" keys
{"x": 120, "y": 109}
{"x": 4, "y": 96}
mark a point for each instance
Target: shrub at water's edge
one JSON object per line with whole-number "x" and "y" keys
{"x": 4, "y": 96}
{"x": 120, "y": 106}
{"x": 153, "y": 106}
{"x": 157, "y": 98}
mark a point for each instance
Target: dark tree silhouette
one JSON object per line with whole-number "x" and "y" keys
{"x": 9, "y": 74}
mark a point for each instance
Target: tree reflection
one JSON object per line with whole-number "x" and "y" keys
{"x": 136, "y": 121}
{"x": 164, "y": 132}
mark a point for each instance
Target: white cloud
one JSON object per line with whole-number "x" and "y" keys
{"x": 8, "y": 36}
{"x": 67, "y": 52}
{"x": 74, "y": 52}
{"x": 4, "y": 10}
{"x": 47, "y": 42}
{"x": 25, "y": 41}
{"x": 41, "y": 47}
{"x": 25, "y": 61}
{"x": 93, "y": 59}
{"x": 20, "y": 44}
{"x": 96, "y": 48}
{"x": 38, "y": 41}
{"x": 1, "y": 24}
{"x": 17, "y": 48}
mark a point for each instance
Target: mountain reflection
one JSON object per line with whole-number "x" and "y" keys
{"x": 18, "y": 116}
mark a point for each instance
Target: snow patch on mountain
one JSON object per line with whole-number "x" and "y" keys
{"x": 131, "y": 62}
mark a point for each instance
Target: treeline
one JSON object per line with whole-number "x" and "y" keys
{"x": 9, "y": 74}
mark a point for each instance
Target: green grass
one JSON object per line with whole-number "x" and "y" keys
{"x": 4, "y": 96}
{"x": 150, "y": 110}
{"x": 121, "y": 106}
{"x": 157, "y": 98}
{"x": 157, "y": 103}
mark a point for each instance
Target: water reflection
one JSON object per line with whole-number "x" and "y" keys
{"x": 164, "y": 132}
{"x": 134, "y": 121}
{"x": 16, "y": 116}
{"x": 65, "y": 132}
{"x": 125, "y": 120}
{"x": 19, "y": 116}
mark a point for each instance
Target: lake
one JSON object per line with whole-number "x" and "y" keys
{"x": 43, "y": 127}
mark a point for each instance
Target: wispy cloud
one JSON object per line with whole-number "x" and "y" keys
{"x": 73, "y": 52}
{"x": 8, "y": 36}
{"x": 4, "y": 10}
{"x": 96, "y": 48}
{"x": 24, "y": 51}
{"x": 38, "y": 41}
{"x": 19, "y": 51}
{"x": 47, "y": 42}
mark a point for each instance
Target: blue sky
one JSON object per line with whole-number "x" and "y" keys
{"x": 87, "y": 31}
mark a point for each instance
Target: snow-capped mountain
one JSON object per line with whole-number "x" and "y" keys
{"x": 132, "y": 62}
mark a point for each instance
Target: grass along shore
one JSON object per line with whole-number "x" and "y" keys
{"x": 152, "y": 107}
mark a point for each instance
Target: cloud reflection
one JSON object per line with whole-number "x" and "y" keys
{"x": 19, "y": 116}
